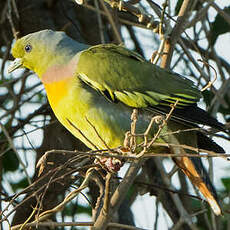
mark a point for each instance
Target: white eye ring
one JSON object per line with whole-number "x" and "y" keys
{"x": 28, "y": 48}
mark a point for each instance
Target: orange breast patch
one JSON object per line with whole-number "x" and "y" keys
{"x": 56, "y": 91}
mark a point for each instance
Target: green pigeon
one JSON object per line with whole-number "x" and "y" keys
{"x": 93, "y": 90}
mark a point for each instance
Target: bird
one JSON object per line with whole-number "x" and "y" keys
{"x": 93, "y": 91}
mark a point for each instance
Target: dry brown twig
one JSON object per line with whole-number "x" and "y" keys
{"x": 57, "y": 208}
{"x": 111, "y": 21}
{"x": 184, "y": 216}
{"x": 98, "y": 135}
{"x": 11, "y": 144}
{"x": 11, "y": 4}
{"x": 210, "y": 83}
{"x": 46, "y": 214}
{"x": 145, "y": 19}
{"x": 75, "y": 127}
{"x": 130, "y": 157}
{"x": 105, "y": 207}
{"x": 115, "y": 153}
{"x": 134, "y": 118}
{"x": 162, "y": 32}
{"x": 104, "y": 217}
{"x": 36, "y": 188}
{"x": 53, "y": 225}
{"x": 175, "y": 33}
{"x": 157, "y": 120}
{"x": 118, "y": 196}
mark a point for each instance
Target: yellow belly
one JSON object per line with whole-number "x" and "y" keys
{"x": 90, "y": 117}
{"x": 93, "y": 121}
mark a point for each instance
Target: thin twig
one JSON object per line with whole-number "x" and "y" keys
{"x": 75, "y": 127}
{"x": 53, "y": 225}
{"x": 133, "y": 143}
{"x": 100, "y": 24}
{"x": 111, "y": 21}
{"x": 175, "y": 34}
{"x": 117, "y": 153}
{"x": 44, "y": 215}
{"x": 163, "y": 124}
{"x": 210, "y": 83}
{"x": 119, "y": 195}
{"x": 98, "y": 135}
{"x": 14, "y": 149}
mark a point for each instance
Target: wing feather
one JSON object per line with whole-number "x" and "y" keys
{"x": 127, "y": 77}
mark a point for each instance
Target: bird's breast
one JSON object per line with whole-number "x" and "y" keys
{"x": 89, "y": 116}
{"x": 56, "y": 92}
{"x": 83, "y": 109}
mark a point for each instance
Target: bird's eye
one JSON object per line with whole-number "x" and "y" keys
{"x": 28, "y": 48}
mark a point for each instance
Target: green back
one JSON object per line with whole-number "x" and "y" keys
{"x": 123, "y": 75}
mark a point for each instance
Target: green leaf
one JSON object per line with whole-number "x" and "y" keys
{"x": 10, "y": 161}
{"x": 226, "y": 183}
{"x": 178, "y": 6}
{"x": 75, "y": 208}
{"x": 219, "y": 26}
{"x": 208, "y": 96}
{"x": 41, "y": 97}
{"x": 20, "y": 185}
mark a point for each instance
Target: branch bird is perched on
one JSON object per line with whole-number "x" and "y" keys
{"x": 94, "y": 90}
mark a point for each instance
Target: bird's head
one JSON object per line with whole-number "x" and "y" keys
{"x": 37, "y": 51}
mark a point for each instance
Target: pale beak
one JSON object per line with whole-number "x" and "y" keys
{"x": 17, "y": 63}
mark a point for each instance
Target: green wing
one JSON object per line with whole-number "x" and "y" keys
{"x": 121, "y": 74}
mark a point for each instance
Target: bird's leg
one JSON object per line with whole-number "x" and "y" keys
{"x": 113, "y": 164}
{"x": 110, "y": 164}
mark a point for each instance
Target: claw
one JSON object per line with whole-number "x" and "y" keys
{"x": 111, "y": 164}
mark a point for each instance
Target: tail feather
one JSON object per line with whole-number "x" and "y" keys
{"x": 193, "y": 167}
{"x": 204, "y": 142}
{"x": 197, "y": 115}
{"x": 191, "y": 115}
{"x": 194, "y": 170}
